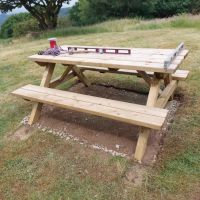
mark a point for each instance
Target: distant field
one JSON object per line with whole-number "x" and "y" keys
{"x": 46, "y": 167}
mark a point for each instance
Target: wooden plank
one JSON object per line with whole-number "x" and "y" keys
{"x": 81, "y": 76}
{"x": 35, "y": 113}
{"x": 133, "y": 57}
{"x": 153, "y": 93}
{"x": 117, "y": 113}
{"x": 167, "y": 79}
{"x": 37, "y": 107}
{"x": 179, "y": 75}
{"x": 142, "y": 143}
{"x": 57, "y": 81}
{"x": 99, "y": 110}
{"x": 47, "y": 75}
{"x": 143, "y": 66}
{"x": 174, "y": 54}
{"x": 101, "y": 101}
{"x": 42, "y": 64}
{"x": 146, "y": 77}
{"x": 145, "y": 132}
{"x": 166, "y": 94}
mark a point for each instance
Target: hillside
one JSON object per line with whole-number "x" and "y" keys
{"x": 41, "y": 165}
{"x": 64, "y": 11}
{"x": 128, "y": 25}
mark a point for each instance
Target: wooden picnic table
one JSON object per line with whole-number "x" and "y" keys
{"x": 153, "y": 65}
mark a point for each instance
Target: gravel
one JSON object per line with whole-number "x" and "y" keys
{"x": 64, "y": 134}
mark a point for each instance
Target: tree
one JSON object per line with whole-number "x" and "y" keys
{"x": 195, "y": 7}
{"x": 7, "y": 27}
{"x": 44, "y": 11}
{"x": 93, "y": 11}
{"x": 168, "y": 8}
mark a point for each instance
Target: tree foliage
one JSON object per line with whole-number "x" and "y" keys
{"x": 25, "y": 27}
{"x": 93, "y": 11}
{"x": 167, "y": 8}
{"x": 7, "y": 29}
{"x": 44, "y": 11}
{"x": 195, "y": 7}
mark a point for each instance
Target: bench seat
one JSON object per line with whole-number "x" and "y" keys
{"x": 179, "y": 75}
{"x": 130, "y": 113}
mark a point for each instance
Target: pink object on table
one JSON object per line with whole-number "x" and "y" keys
{"x": 53, "y": 42}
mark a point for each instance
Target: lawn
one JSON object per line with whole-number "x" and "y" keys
{"x": 47, "y": 167}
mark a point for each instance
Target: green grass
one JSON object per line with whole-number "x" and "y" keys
{"x": 46, "y": 167}
{"x": 51, "y": 169}
{"x": 176, "y": 171}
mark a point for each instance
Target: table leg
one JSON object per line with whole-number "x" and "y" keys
{"x": 167, "y": 81}
{"x": 81, "y": 76}
{"x": 146, "y": 77}
{"x": 145, "y": 132}
{"x": 37, "y": 107}
{"x": 64, "y": 77}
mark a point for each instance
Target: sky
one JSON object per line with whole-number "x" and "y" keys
{"x": 18, "y": 10}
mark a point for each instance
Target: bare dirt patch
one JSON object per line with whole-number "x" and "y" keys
{"x": 23, "y": 132}
{"x": 100, "y": 133}
{"x": 135, "y": 175}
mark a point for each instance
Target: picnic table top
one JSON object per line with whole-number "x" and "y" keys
{"x": 143, "y": 59}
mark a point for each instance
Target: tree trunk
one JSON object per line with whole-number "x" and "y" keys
{"x": 47, "y": 23}
{"x": 47, "y": 18}
{"x": 51, "y": 22}
{"x": 42, "y": 24}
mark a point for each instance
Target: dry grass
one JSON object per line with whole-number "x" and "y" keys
{"x": 128, "y": 24}
{"x": 45, "y": 167}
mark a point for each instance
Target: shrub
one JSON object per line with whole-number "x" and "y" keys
{"x": 195, "y": 7}
{"x": 64, "y": 22}
{"x": 93, "y": 11}
{"x": 167, "y": 8}
{"x": 22, "y": 28}
{"x": 7, "y": 28}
